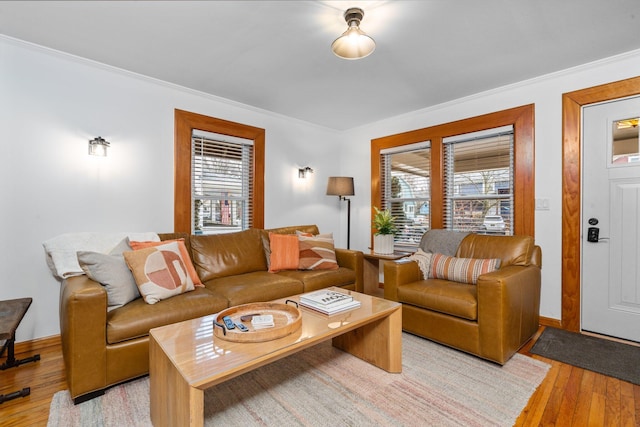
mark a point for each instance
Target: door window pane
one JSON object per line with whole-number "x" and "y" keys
{"x": 625, "y": 146}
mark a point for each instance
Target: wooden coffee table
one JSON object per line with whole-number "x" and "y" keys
{"x": 186, "y": 358}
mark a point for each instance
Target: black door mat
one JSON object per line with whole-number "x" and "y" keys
{"x": 606, "y": 357}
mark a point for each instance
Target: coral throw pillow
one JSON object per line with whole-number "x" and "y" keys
{"x": 464, "y": 270}
{"x": 160, "y": 272}
{"x": 317, "y": 252}
{"x": 183, "y": 251}
{"x": 285, "y": 252}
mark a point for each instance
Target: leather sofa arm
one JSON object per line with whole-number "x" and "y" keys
{"x": 355, "y": 261}
{"x": 83, "y": 328}
{"x": 508, "y": 309}
{"x": 398, "y": 273}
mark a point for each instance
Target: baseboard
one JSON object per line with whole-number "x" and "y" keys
{"x": 548, "y": 321}
{"x": 37, "y": 344}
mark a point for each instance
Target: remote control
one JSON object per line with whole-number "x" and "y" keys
{"x": 242, "y": 327}
{"x": 228, "y": 322}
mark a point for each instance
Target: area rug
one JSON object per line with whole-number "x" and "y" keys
{"x": 323, "y": 386}
{"x": 607, "y": 357}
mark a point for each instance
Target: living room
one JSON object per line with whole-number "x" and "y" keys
{"x": 54, "y": 102}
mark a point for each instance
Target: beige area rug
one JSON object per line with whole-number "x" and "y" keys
{"x": 323, "y": 386}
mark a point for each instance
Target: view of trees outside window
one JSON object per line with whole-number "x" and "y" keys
{"x": 479, "y": 185}
{"x": 221, "y": 186}
{"x": 407, "y": 193}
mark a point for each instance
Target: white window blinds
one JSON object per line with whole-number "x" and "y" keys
{"x": 222, "y": 177}
{"x": 478, "y": 181}
{"x": 406, "y": 190}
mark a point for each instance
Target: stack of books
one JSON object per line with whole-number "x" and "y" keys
{"x": 262, "y": 322}
{"x": 328, "y": 302}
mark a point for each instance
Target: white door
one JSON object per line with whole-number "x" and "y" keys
{"x": 611, "y": 209}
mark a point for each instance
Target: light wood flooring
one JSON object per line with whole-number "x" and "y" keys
{"x": 568, "y": 396}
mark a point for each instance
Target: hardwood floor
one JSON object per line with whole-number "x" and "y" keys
{"x": 571, "y": 396}
{"x": 45, "y": 377}
{"x": 568, "y": 396}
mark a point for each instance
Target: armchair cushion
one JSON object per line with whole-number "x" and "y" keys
{"x": 451, "y": 298}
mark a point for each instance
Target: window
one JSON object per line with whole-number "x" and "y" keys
{"x": 478, "y": 181}
{"x": 406, "y": 190}
{"x": 480, "y": 175}
{"x": 219, "y": 175}
{"x": 221, "y": 183}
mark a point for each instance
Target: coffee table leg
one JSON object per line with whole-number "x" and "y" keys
{"x": 379, "y": 342}
{"x": 173, "y": 402}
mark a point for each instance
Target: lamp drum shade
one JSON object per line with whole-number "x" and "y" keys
{"x": 340, "y": 186}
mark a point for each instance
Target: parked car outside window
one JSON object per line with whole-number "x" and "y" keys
{"x": 493, "y": 223}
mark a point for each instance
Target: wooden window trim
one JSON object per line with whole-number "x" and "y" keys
{"x": 185, "y": 123}
{"x": 522, "y": 119}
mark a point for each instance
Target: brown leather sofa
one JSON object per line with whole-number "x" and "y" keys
{"x": 102, "y": 348}
{"x": 491, "y": 319}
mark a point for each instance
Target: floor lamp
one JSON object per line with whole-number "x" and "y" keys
{"x": 342, "y": 186}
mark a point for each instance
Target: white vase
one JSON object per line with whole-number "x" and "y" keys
{"x": 383, "y": 243}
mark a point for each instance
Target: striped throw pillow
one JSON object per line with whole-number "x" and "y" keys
{"x": 464, "y": 270}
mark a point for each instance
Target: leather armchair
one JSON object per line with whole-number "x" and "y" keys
{"x": 491, "y": 319}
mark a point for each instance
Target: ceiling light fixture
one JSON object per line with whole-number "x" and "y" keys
{"x": 353, "y": 43}
{"x": 98, "y": 147}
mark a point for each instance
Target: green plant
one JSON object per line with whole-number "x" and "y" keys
{"x": 384, "y": 222}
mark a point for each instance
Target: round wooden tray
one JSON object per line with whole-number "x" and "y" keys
{"x": 286, "y": 317}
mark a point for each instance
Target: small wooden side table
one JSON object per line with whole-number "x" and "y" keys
{"x": 373, "y": 262}
{"x": 11, "y": 314}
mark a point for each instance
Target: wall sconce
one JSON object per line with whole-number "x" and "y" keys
{"x": 302, "y": 172}
{"x": 98, "y": 147}
{"x": 342, "y": 186}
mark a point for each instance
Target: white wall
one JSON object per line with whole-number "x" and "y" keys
{"x": 51, "y": 104}
{"x": 546, "y": 93}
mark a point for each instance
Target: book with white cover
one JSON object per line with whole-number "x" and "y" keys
{"x": 333, "y": 308}
{"x": 325, "y": 298}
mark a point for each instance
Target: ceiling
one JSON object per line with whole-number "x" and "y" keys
{"x": 276, "y": 55}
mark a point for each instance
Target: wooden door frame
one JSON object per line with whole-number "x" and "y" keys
{"x": 572, "y": 103}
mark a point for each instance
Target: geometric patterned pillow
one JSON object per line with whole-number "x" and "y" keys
{"x": 160, "y": 272}
{"x": 317, "y": 252}
{"x": 183, "y": 251}
{"x": 464, "y": 270}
